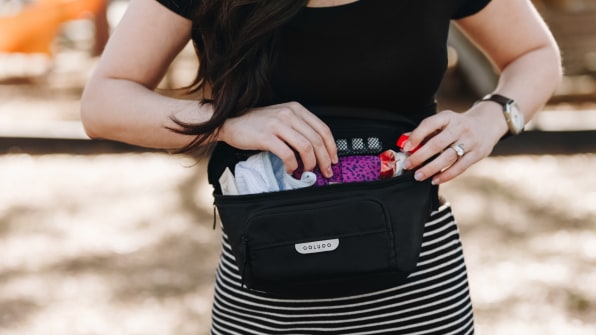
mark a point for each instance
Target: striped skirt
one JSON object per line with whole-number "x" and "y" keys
{"x": 434, "y": 300}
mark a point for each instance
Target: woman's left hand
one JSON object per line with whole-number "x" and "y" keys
{"x": 458, "y": 140}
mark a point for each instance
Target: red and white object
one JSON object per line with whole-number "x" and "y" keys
{"x": 392, "y": 162}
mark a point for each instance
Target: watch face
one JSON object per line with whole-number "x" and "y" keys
{"x": 513, "y": 115}
{"x": 517, "y": 119}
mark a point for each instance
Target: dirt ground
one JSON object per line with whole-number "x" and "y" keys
{"x": 123, "y": 243}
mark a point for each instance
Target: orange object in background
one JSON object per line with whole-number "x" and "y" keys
{"x": 34, "y": 29}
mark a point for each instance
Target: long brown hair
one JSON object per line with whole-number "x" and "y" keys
{"x": 235, "y": 41}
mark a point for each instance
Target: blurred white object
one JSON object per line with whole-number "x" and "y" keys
{"x": 227, "y": 182}
{"x": 265, "y": 172}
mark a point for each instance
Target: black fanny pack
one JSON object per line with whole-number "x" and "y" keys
{"x": 332, "y": 240}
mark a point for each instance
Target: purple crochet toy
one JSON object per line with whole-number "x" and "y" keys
{"x": 349, "y": 169}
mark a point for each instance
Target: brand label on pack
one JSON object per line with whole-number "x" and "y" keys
{"x": 317, "y": 246}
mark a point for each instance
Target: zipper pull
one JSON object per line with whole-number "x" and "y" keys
{"x": 214, "y": 215}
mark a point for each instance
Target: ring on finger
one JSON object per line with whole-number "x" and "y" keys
{"x": 459, "y": 149}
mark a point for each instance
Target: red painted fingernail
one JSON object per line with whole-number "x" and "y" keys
{"x": 405, "y": 145}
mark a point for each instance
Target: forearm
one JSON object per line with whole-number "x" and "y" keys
{"x": 532, "y": 79}
{"x": 119, "y": 102}
{"x": 125, "y": 111}
{"x": 514, "y": 37}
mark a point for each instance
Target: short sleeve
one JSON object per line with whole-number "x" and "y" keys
{"x": 184, "y": 8}
{"x": 469, "y": 7}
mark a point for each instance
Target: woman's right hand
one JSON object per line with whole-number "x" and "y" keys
{"x": 284, "y": 129}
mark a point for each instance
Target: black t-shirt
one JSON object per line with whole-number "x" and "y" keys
{"x": 388, "y": 54}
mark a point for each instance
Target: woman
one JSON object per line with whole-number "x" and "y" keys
{"x": 263, "y": 61}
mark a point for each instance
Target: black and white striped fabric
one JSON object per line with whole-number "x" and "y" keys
{"x": 434, "y": 300}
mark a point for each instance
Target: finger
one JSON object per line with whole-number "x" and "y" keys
{"x": 284, "y": 152}
{"x": 301, "y": 145}
{"x": 431, "y": 147}
{"x": 283, "y": 124}
{"x": 323, "y": 130}
{"x": 456, "y": 169}
{"x": 442, "y": 162}
{"x": 427, "y": 127}
{"x": 323, "y": 160}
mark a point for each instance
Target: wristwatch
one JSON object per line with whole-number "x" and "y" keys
{"x": 511, "y": 111}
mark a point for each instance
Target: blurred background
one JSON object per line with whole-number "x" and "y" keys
{"x": 98, "y": 237}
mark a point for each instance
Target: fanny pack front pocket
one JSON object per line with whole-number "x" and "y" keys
{"x": 321, "y": 241}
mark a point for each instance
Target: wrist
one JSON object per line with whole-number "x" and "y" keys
{"x": 491, "y": 114}
{"x": 512, "y": 114}
{"x": 225, "y": 132}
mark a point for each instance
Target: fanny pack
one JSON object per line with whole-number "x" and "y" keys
{"x": 331, "y": 240}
